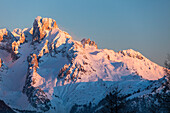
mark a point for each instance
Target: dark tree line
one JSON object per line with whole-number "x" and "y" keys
{"x": 114, "y": 102}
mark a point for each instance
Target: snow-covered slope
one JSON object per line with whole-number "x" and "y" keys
{"x": 47, "y": 70}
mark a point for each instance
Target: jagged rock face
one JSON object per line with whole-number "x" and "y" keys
{"x": 41, "y": 26}
{"x": 17, "y": 31}
{"x": 54, "y": 42}
{"x": 36, "y": 96}
{"x": 20, "y": 35}
{"x": 10, "y": 42}
{"x": 3, "y": 68}
{"x": 132, "y": 53}
{"x": 22, "y": 38}
{"x": 26, "y": 35}
{"x": 5, "y": 35}
{"x": 34, "y": 62}
{"x": 15, "y": 47}
{"x": 6, "y": 39}
{"x": 16, "y": 44}
{"x": 70, "y": 73}
{"x": 44, "y": 49}
{"x": 89, "y": 42}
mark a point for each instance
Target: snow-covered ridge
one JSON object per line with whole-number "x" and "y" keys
{"x": 132, "y": 53}
{"x": 50, "y": 66}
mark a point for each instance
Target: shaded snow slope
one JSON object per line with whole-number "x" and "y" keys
{"x": 47, "y": 70}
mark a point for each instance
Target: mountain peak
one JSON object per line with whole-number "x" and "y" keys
{"x": 89, "y": 42}
{"x": 17, "y": 31}
{"x": 5, "y": 34}
{"x": 58, "y": 72}
{"x": 42, "y": 26}
{"x": 45, "y": 23}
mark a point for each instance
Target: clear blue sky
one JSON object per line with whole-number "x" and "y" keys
{"x": 143, "y": 25}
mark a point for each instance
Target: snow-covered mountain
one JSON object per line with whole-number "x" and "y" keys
{"x": 43, "y": 69}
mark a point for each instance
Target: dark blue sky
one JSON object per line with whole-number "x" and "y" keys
{"x": 143, "y": 25}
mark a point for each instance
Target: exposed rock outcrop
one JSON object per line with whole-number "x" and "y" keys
{"x": 44, "y": 28}
{"x": 89, "y": 42}
{"x": 34, "y": 62}
{"x": 2, "y": 66}
{"x": 44, "y": 49}
{"x": 132, "y": 53}
{"x": 9, "y": 43}
{"x": 6, "y": 39}
{"x": 15, "y": 47}
{"x": 17, "y": 31}
{"x": 36, "y": 96}
{"x": 41, "y": 26}
{"x": 22, "y": 38}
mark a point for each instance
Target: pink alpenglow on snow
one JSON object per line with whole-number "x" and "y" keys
{"x": 46, "y": 70}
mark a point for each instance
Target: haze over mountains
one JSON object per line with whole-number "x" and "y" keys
{"x": 44, "y": 69}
